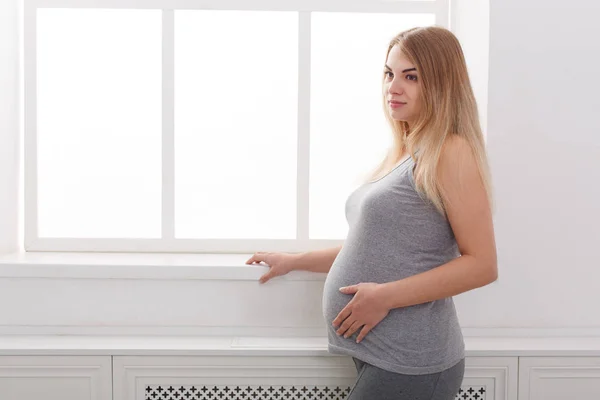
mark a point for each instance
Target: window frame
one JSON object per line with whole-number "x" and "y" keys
{"x": 168, "y": 242}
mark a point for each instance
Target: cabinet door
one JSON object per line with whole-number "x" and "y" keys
{"x": 276, "y": 378}
{"x": 490, "y": 378}
{"x": 559, "y": 378}
{"x": 230, "y": 377}
{"x": 55, "y": 378}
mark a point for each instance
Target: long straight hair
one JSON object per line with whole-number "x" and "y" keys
{"x": 448, "y": 107}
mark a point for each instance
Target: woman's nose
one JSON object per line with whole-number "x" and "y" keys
{"x": 395, "y": 87}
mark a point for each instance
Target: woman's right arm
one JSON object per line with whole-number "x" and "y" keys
{"x": 317, "y": 260}
{"x": 282, "y": 263}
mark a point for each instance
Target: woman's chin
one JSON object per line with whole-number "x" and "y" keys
{"x": 399, "y": 115}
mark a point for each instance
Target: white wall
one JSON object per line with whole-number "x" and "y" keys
{"x": 544, "y": 145}
{"x": 9, "y": 125}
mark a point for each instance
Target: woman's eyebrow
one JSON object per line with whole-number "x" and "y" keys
{"x": 406, "y": 70}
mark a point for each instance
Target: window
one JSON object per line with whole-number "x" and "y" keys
{"x": 203, "y": 126}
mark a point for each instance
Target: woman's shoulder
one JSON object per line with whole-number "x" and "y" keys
{"x": 456, "y": 149}
{"x": 457, "y": 161}
{"x": 455, "y": 142}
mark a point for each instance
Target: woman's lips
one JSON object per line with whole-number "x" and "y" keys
{"x": 396, "y": 104}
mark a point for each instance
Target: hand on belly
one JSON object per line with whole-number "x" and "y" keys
{"x": 366, "y": 309}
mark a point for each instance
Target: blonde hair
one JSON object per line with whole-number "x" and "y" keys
{"x": 448, "y": 107}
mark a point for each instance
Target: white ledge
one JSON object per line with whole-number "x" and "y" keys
{"x": 184, "y": 266}
{"x": 273, "y": 346}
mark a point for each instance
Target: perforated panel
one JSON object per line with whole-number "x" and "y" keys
{"x": 156, "y": 392}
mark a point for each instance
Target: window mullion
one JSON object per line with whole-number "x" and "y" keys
{"x": 30, "y": 126}
{"x": 303, "y": 155}
{"x": 442, "y": 13}
{"x": 168, "y": 131}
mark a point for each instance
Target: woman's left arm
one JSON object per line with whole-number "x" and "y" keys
{"x": 469, "y": 213}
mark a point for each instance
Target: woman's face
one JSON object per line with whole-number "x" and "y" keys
{"x": 401, "y": 87}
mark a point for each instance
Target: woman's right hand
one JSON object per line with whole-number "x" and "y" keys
{"x": 279, "y": 263}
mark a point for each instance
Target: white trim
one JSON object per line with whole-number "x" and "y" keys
{"x": 363, "y": 6}
{"x": 273, "y": 345}
{"x": 525, "y": 342}
{"x": 66, "y": 374}
{"x": 554, "y": 332}
{"x": 168, "y": 121}
{"x": 442, "y": 13}
{"x": 499, "y": 374}
{"x": 453, "y": 16}
{"x": 30, "y": 124}
{"x": 153, "y": 331}
{"x": 167, "y": 242}
{"x": 228, "y": 246}
{"x": 140, "y": 267}
{"x": 303, "y": 161}
{"x": 538, "y": 376}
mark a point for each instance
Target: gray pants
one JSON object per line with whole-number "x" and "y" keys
{"x": 374, "y": 383}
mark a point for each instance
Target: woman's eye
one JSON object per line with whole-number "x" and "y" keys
{"x": 411, "y": 77}
{"x": 388, "y": 74}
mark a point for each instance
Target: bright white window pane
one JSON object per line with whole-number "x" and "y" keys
{"x": 99, "y": 123}
{"x": 236, "y": 80}
{"x": 349, "y": 133}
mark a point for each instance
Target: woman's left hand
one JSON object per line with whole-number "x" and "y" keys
{"x": 367, "y": 308}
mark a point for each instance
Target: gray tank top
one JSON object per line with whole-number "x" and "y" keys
{"x": 395, "y": 233}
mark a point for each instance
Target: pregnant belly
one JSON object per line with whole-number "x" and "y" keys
{"x": 334, "y": 300}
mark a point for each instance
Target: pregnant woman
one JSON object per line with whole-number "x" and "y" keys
{"x": 420, "y": 231}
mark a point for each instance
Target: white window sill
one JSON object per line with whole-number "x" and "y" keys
{"x": 184, "y": 266}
